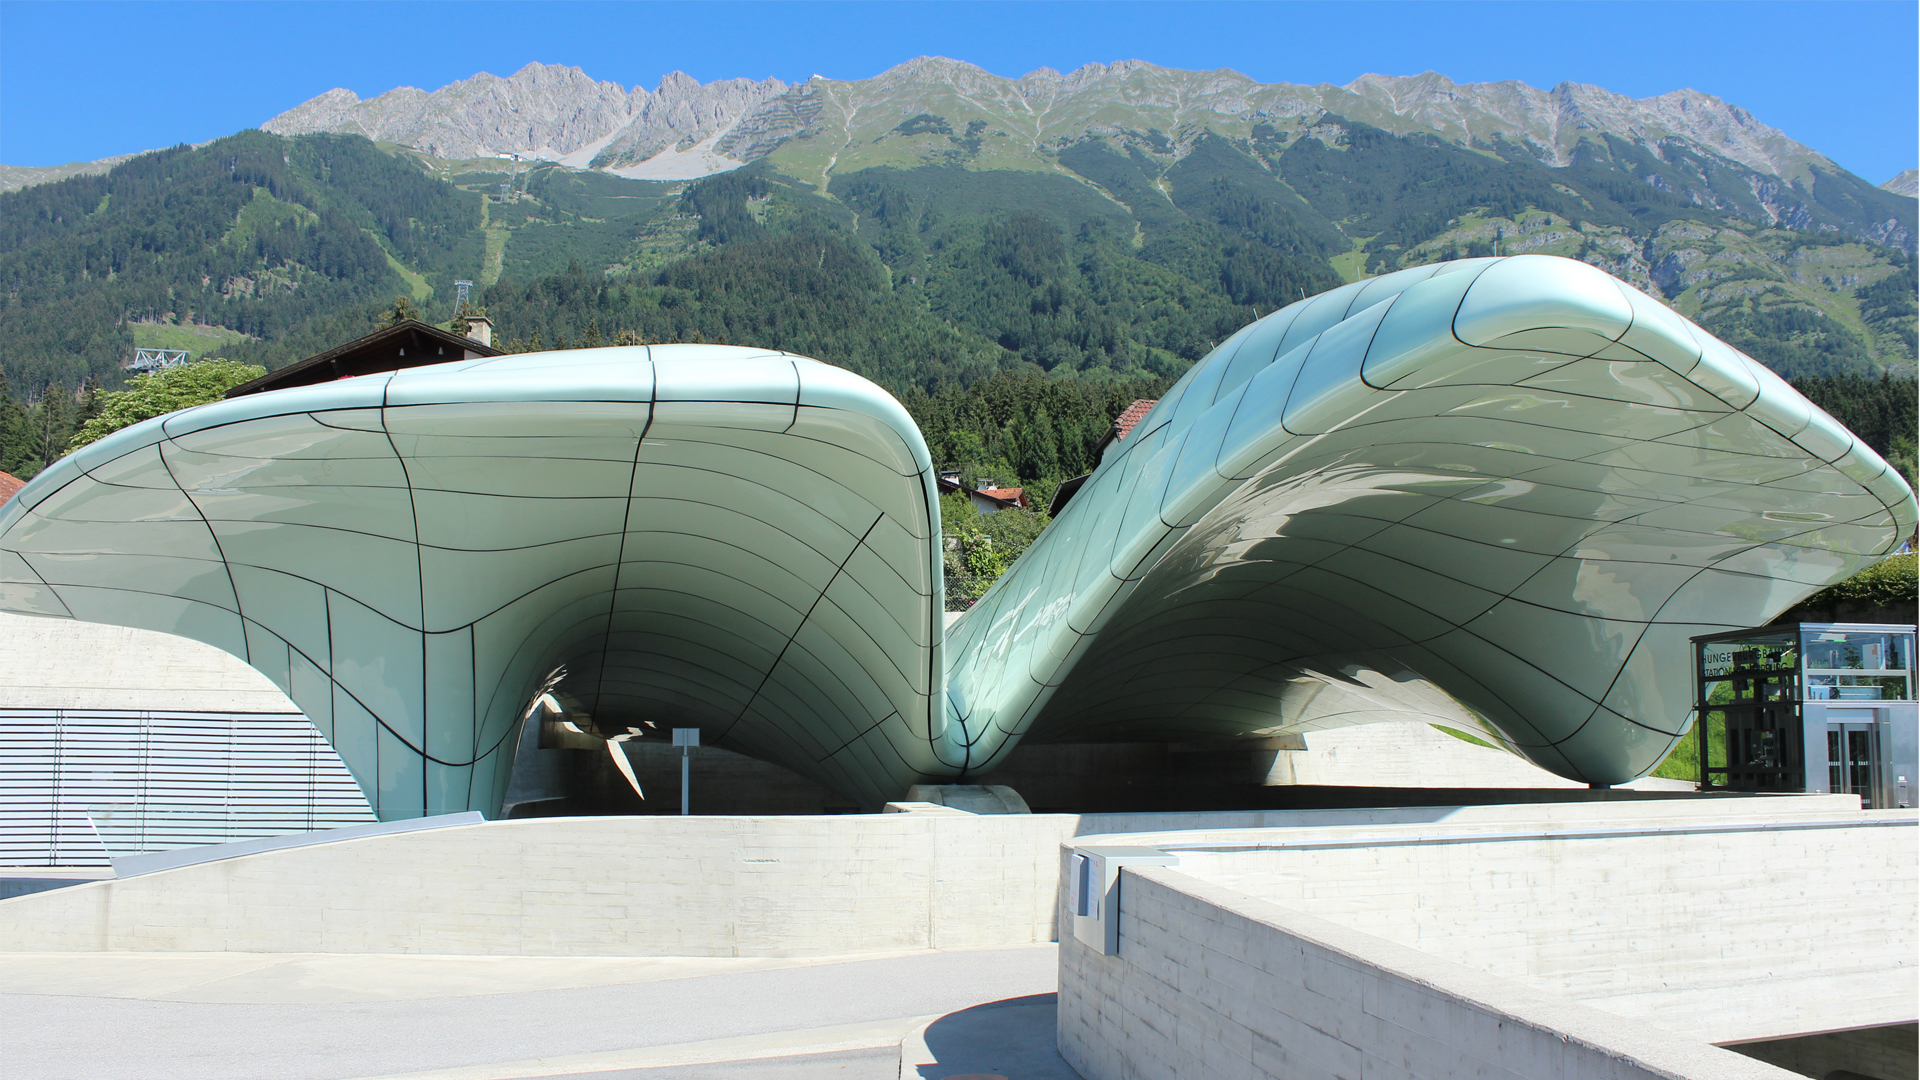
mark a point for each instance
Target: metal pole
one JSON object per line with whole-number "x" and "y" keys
{"x": 686, "y": 738}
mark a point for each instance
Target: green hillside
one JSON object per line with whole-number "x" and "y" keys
{"x": 1110, "y": 261}
{"x": 280, "y": 244}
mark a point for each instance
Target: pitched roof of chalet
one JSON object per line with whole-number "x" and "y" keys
{"x": 411, "y": 343}
{"x": 1121, "y": 427}
{"x": 9, "y": 484}
{"x": 1123, "y": 424}
{"x": 1006, "y": 497}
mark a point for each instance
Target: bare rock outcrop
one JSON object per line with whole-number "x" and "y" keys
{"x": 686, "y": 128}
{"x": 682, "y": 113}
{"x": 542, "y": 110}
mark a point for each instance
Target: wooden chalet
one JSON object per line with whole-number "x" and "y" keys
{"x": 403, "y": 345}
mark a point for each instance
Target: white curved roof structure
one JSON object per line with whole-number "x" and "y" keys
{"x": 1507, "y": 490}
{"x": 1500, "y": 491}
{"x": 672, "y": 536}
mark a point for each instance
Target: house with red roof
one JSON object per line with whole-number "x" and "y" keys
{"x": 1123, "y": 426}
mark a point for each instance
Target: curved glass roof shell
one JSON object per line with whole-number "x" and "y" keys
{"x": 1504, "y": 492}
{"x": 674, "y": 536}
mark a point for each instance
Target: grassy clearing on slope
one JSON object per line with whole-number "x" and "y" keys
{"x": 265, "y": 213}
{"x": 416, "y": 282}
{"x": 1352, "y": 266}
{"x": 194, "y": 338}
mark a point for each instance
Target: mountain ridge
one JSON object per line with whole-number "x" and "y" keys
{"x": 13, "y": 177}
{"x": 554, "y": 111}
{"x": 1113, "y": 221}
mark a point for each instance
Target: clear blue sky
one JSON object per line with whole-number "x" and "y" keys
{"x": 80, "y": 81}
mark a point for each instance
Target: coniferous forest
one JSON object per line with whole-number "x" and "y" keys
{"x": 1013, "y": 313}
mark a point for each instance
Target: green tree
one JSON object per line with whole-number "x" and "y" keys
{"x": 462, "y": 320}
{"x": 19, "y": 446}
{"x": 162, "y": 392}
{"x": 403, "y": 309}
{"x": 978, "y": 548}
{"x": 90, "y": 402}
{"x": 54, "y": 416}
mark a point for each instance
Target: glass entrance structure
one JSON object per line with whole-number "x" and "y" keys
{"x": 1503, "y": 494}
{"x": 1825, "y": 707}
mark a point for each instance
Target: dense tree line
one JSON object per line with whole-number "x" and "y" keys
{"x": 1793, "y": 340}
{"x": 814, "y": 292}
{"x": 34, "y": 434}
{"x": 1889, "y": 305}
{"x": 1882, "y": 411}
{"x": 1023, "y": 428}
{"x": 963, "y": 297}
{"x": 255, "y": 232}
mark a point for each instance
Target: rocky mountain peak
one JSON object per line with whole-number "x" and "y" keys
{"x": 938, "y": 71}
{"x": 1554, "y": 121}
{"x": 676, "y": 84}
{"x": 684, "y": 128}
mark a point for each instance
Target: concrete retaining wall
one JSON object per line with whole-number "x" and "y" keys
{"x": 64, "y": 664}
{"x": 1211, "y": 982}
{"x": 667, "y": 886}
{"x": 783, "y": 886}
{"x": 1777, "y": 928}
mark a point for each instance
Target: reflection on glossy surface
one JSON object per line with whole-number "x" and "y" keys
{"x": 1529, "y": 558}
{"x": 706, "y": 536}
{"x": 1498, "y": 493}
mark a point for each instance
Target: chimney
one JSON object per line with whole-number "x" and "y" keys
{"x": 480, "y": 329}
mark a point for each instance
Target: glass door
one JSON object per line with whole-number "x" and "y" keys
{"x": 1850, "y": 761}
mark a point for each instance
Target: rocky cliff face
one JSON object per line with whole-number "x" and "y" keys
{"x": 561, "y": 114}
{"x": 1907, "y": 183}
{"x": 542, "y": 110}
{"x": 680, "y": 115}
{"x": 1552, "y": 122}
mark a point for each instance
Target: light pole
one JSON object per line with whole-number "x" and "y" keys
{"x": 686, "y": 738}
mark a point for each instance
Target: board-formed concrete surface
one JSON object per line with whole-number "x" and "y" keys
{"x": 1725, "y": 929}
{"x": 122, "y": 1017}
{"x": 1212, "y": 982}
{"x": 672, "y": 886}
{"x": 1607, "y": 948}
{"x": 67, "y": 664}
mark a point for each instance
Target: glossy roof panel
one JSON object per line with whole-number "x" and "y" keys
{"x": 1499, "y": 493}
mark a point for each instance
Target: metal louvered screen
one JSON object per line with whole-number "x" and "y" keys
{"x": 156, "y": 781}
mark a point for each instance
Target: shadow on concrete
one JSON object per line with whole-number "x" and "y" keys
{"x": 1013, "y": 1038}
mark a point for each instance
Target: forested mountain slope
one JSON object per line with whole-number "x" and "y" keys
{"x": 933, "y": 255}
{"x": 283, "y": 243}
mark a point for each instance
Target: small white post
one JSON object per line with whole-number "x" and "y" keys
{"x": 686, "y": 738}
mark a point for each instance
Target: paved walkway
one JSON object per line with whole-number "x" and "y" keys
{"x": 1014, "y": 1038}
{"x": 121, "y": 1016}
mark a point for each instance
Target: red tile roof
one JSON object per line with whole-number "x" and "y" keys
{"x": 1012, "y": 495}
{"x": 8, "y": 485}
{"x": 1135, "y": 413}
